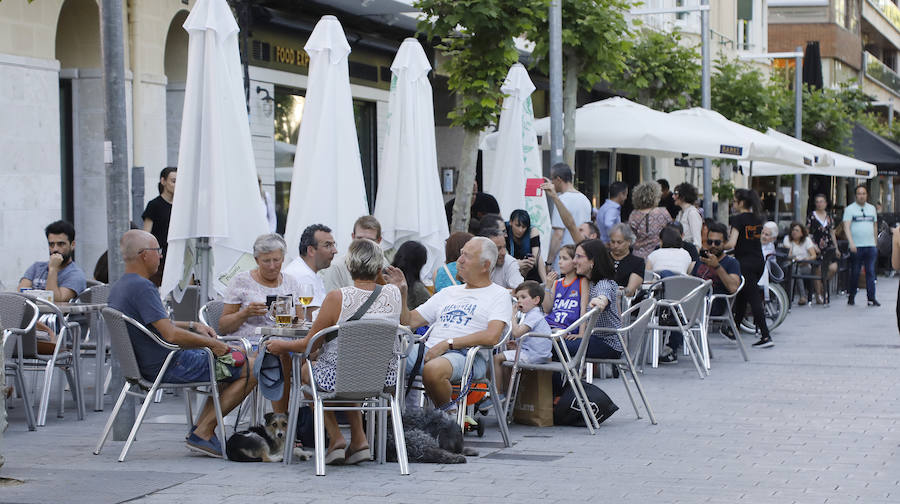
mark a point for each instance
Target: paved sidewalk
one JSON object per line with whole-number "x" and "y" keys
{"x": 812, "y": 420}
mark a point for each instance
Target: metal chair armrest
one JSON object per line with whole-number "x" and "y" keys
{"x": 315, "y": 338}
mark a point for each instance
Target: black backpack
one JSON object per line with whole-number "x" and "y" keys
{"x": 566, "y": 412}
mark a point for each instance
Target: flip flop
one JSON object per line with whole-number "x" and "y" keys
{"x": 335, "y": 457}
{"x": 358, "y": 456}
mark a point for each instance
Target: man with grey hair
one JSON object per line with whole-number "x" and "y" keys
{"x": 461, "y": 316}
{"x": 135, "y": 296}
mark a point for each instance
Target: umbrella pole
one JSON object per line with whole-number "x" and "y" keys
{"x": 612, "y": 167}
{"x": 777, "y": 198}
{"x": 205, "y": 268}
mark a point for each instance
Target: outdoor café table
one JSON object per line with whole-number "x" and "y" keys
{"x": 293, "y": 331}
{"x": 61, "y": 310}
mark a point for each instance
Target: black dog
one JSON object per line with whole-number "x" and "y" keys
{"x": 431, "y": 437}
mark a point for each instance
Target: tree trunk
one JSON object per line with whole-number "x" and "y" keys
{"x": 468, "y": 160}
{"x": 570, "y": 102}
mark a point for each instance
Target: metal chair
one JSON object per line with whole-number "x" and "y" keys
{"x": 17, "y": 319}
{"x": 727, "y": 316}
{"x": 188, "y": 307}
{"x": 797, "y": 276}
{"x": 117, "y": 326}
{"x": 366, "y": 350}
{"x": 66, "y": 356}
{"x": 95, "y": 338}
{"x": 633, "y": 338}
{"x": 569, "y": 366}
{"x": 209, "y": 314}
{"x": 685, "y": 300}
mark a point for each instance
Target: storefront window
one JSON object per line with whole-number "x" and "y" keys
{"x": 289, "y": 105}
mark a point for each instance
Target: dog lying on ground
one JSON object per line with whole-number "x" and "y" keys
{"x": 431, "y": 437}
{"x": 262, "y": 443}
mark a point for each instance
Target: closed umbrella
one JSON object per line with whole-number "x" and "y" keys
{"x": 215, "y": 212}
{"x": 327, "y": 185}
{"x": 409, "y": 204}
{"x": 516, "y": 156}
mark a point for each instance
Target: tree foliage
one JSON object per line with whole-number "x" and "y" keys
{"x": 661, "y": 72}
{"x": 828, "y": 115}
{"x": 746, "y": 96}
{"x": 476, "y": 36}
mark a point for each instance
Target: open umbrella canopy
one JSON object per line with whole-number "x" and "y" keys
{"x": 217, "y": 199}
{"x": 826, "y": 163}
{"x": 409, "y": 204}
{"x": 631, "y": 128}
{"x": 762, "y": 147}
{"x": 327, "y": 185}
{"x": 515, "y": 156}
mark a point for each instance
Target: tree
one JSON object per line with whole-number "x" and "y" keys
{"x": 828, "y": 115}
{"x": 746, "y": 96}
{"x": 595, "y": 39}
{"x": 476, "y": 36}
{"x": 661, "y": 72}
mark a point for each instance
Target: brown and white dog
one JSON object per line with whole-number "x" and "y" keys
{"x": 262, "y": 443}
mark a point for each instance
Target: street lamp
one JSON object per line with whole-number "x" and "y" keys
{"x": 703, "y": 9}
{"x": 798, "y": 119}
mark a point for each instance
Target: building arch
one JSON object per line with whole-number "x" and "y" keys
{"x": 175, "y": 65}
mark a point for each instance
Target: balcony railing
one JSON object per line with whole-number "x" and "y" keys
{"x": 880, "y": 72}
{"x": 890, "y": 11}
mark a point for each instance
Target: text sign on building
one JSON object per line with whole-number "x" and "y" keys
{"x": 290, "y": 56}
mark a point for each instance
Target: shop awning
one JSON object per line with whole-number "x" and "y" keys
{"x": 873, "y": 148}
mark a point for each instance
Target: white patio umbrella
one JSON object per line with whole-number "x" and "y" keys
{"x": 828, "y": 163}
{"x": 327, "y": 185}
{"x": 516, "y": 156}
{"x": 409, "y": 204}
{"x": 215, "y": 212}
{"x": 762, "y": 147}
{"x": 630, "y": 128}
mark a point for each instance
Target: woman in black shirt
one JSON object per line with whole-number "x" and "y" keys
{"x": 629, "y": 267}
{"x": 524, "y": 243}
{"x": 158, "y": 213}
{"x": 746, "y": 227}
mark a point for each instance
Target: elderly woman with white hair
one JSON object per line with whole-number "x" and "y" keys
{"x": 364, "y": 261}
{"x": 245, "y": 297}
{"x": 629, "y": 267}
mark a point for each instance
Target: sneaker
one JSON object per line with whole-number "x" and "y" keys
{"x": 764, "y": 342}
{"x": 726, "y": 332}
{"x": 850, "y": 301}
{"x": 669, "y": 358}
{"x": 211, "y": 447}
{"x": 873, "y": 302}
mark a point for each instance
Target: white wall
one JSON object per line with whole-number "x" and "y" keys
{"x": 29, "y": 165}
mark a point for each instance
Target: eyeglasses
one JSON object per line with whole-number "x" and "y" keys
{"x": 157, "y": 249}
{"x": 713, "y": 242}
{"x": 327, "y": 245}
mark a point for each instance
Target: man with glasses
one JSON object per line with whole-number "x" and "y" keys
{"x": 861, "y": 228}
{"x": 723, "y": 270}
{"x": 317, "y": 249}
{"x": 135, "y": 296}
{"x": 506, "y": 271}
{"x": 59, "y": 274}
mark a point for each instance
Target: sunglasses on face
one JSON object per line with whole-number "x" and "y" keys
{"x": 713, "y": 242}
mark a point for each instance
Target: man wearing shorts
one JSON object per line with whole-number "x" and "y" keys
{"x": 137, "y": 297}
{"x": 462, "y": 316}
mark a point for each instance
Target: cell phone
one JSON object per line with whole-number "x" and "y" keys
{"x": 529, "y": 256}
{"x": 704, "y": 253}
{"x": 269, "y": 300}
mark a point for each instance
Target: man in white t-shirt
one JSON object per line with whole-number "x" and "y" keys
{"x": 576, "y": 203}
{"x": 317, "y": 249}
{"x": 462, "y": 316}
{"x": 506, "y": 271}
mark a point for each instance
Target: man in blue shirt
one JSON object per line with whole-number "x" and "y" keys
{"x": 610, "y": 212}
{"x": 60, "y": 274}
{"x": 137, "y": 297}
{"x": 861, "y": 227}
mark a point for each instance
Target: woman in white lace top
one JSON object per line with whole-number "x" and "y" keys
{"x": 364, "y": 260}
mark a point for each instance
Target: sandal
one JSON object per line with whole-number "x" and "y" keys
{"x": 335, "y": 457}
{"x": 358, "y": 456}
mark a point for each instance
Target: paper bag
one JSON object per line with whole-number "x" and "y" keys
{"x": 534, "y": 400}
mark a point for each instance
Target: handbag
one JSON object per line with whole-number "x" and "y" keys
{"x": 566, "y": 411}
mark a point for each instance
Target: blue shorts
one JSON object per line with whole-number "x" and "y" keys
{"x": 457, "y": 359}
{"x": 189, "y": 366}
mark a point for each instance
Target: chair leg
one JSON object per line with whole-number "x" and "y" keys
{"x": 640, "y": 389}
{"x": 399, "y": 438}
{"x": 291, "y": 435}
{"x": 382, "y": 430}
{"x": 630, "y": 395}
{"x": 586, "y": 410}
{"x": 112, "y": 417}
{"x": 319, "y": 430}
{"x": 499, "y": 412}
{"x": 145, "y": 405}
{"x": 45, "y": 393}
{"x": 74, "y": 385}
{"x": 157, "y": 397}
{"x": 29, "y": 408}
{"x": 737, "y": 336}
{"x": 511, "y": 393}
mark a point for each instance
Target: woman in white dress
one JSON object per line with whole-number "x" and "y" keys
{"x": 364, "y": 260}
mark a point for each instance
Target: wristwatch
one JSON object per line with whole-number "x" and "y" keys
{"x": 191, "y": 326}
{"x": 450, "y": 343}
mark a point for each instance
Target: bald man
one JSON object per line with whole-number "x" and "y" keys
{"x": 137, "y": 297}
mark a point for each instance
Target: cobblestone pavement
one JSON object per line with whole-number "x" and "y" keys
{"x": 812, "y": 420}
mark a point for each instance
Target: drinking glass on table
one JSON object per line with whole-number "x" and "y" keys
{"x": 305, "y": 295}
{"x": 284, "y": 310}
